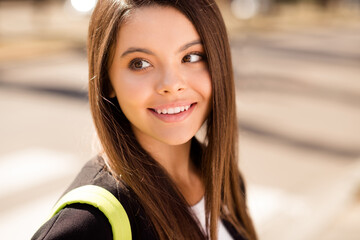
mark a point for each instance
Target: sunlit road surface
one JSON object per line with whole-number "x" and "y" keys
{"x": 298, "y": 99}
{"x": 299, "y": 114}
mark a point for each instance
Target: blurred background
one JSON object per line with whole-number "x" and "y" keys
{"x": 297, "y": 72}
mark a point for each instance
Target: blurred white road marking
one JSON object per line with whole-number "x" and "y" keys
{"x": 264, "y": 203}
{"x": 23, "y": 221}
{"x": 26, "y": 169}
{"x": 30, "y": 167}
{"x": 304, "y": 216}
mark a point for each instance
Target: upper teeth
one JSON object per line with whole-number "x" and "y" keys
{"x": 172, "y": 110}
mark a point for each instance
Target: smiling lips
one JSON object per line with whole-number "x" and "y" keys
{"x": 174, "y": 110}
{"x": 173, "y": 114}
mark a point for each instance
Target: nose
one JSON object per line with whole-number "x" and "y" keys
{"x": 171, "y": 82}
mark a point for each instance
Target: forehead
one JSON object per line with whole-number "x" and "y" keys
{"x": 156, "y": 25}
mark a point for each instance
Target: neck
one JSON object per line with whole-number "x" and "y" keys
{"x": 176, "y": 161}
{"x": 174, "y": 158}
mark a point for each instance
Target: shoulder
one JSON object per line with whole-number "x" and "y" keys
{"x": 81, "y": 221}
{"x": 77, "y": 221}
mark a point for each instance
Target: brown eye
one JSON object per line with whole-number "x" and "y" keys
{"x": 187, "y": 58}
{"x": 192, "y": 58}
{"x": 139, "y": 64}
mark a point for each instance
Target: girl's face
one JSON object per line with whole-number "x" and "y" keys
{"x": 160, "y": 77}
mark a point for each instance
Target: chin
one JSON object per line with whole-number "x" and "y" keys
{"x": 178, "y": 138}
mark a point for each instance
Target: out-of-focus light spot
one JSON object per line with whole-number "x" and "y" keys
{"x": 83, "y": 5}
{"x": 245, "y": 9}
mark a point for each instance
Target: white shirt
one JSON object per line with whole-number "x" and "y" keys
{"x": 199, "y": 210}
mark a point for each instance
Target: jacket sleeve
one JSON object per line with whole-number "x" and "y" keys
{"x": 77, "y": 221}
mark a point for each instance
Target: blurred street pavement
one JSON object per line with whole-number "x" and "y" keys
{"x": 298, "y": 101}
{"x": 299, "y": 116}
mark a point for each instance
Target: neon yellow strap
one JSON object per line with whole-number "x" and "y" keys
{"x": 103, "y": 200}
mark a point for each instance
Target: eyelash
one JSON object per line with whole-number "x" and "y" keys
{"x": 200, "y": 54}
{"x": 132, "y": 67}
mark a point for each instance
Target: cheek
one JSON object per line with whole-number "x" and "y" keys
{"x": 131, "y": 91}
{"x": 201, "y": 82}
{"x": 207, "y": 86}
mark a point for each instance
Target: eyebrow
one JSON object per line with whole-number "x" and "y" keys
{"x": 186, "y": 46}
{"x": 133, "y": 49}
{"x": 144, "y": 50}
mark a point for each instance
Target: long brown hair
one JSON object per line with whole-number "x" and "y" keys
{"x": 217, "y": 158}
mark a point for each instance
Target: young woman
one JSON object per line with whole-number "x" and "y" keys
{"x": 158, "y": 71}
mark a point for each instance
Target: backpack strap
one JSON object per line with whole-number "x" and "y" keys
{"x": 105, "y": 201}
